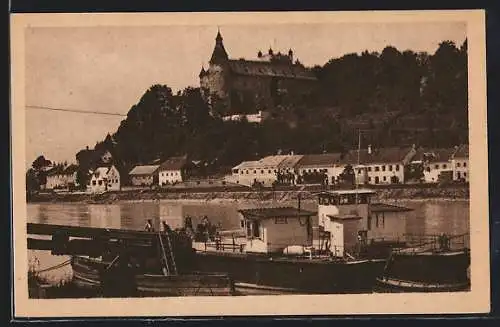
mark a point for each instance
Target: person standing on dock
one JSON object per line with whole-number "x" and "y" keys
{"x": 166, "y": 227}
{"x": 149, "y": 226}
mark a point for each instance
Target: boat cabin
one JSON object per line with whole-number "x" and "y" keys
{"x": 271, "y": 230}
{"x": 348, "y": 219}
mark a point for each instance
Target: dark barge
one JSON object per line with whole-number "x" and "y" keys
{"x": 126, "y": 263}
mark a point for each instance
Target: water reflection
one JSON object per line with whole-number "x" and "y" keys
{"x": 108, "y": 216}
{"x": 427, "y": 218}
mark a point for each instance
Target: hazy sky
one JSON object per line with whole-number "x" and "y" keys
{"x": 109, "y": 68}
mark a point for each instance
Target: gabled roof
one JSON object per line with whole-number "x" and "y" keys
{"x": 384, "y": 207}
{"x": 289, "y": 161}
{"x": 71, "y": 169}
{"x": 280, "y": 212}
{"x": 462, "y": 151}
{"x": 247, "y": 165}
{"x": 101, "y": 171}
{"x": 57, "y": 170}
{"x": 378, "y": 155}
{"x": 319, "y": 160}
{"x": 144, "y": 170}
{"x": 435, "y": 155}
{"x": 174, "y": 163}
{"x": 272, "y": 161}
{"x": 269, "y": 69}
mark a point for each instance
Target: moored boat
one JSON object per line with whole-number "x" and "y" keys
{"x": 88, "y": 274}
{"x": 439, "y": 265}
{"x": 279, "y": 252}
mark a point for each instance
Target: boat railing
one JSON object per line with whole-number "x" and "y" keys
{"x": 434, "y": 243}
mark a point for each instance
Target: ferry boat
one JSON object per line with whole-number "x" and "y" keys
{"x": 278, "y": 252}
{"x": 438, "y": 264}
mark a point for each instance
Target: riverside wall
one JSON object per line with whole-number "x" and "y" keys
{"x": 414, "y": 192}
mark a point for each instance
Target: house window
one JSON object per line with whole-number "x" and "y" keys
{"x": 458, "y": 164}
{"x": 465, "y": 174}
{"x": 100, "y": 183}
{"x": 385, "y": 178}
{"x": 269, "y": 171}
{"x": 369, "y": 223}
{"x": 428, "y": 169}
{"x": 436, "y": 166}
{"x": 444, "y": 166}
{"x": 377, "y": 180}
{"x": 255, "y": 171}
{"x": 93, "y": 183}
{"x": 397, "y": 167}
{"x": 383, "y": 168}
{"x": 369, "y": 168}
{"x": 376, "y": 220}
{"x": 390, "y": 167}
{"x": 359, "y": 171}
{"x": 262, "y": 171}
{"x": 280, "y": 220}
{"x": 465, "y": 164}
{"x": 377, "y": 168}
{"x": 247, "y": 172}
{"x": 458, "y": 174}
{"x": 369, "y": 179}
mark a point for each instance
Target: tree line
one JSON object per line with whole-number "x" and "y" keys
{"x": 403, "y": 97}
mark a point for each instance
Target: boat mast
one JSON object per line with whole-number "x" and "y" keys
{"x": 355, "y": 179}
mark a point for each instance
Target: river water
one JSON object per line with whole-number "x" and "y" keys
{"x": 427, "y": 217}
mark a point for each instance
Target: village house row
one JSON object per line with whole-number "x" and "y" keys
{"x": 370, "y": 166}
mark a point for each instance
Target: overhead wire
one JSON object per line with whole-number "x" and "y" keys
{"x": 76, "y": 110}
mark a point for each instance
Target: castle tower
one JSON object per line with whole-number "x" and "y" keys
{"x": 213, "y": 81}
{"x": 219, "y": 55}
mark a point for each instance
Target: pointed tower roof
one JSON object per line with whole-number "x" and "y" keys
{"x": 202, "y": 72}
{"x": 219, "y": 54}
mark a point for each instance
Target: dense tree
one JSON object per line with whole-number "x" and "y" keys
{"x": 397, "y": 97}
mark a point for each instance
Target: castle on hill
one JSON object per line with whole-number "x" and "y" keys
{"x": 241, "y": 86}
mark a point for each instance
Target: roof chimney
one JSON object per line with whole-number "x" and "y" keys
{"x": 369, "y": 149}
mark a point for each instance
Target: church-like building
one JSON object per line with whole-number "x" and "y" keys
{"x": 234, "y": 86}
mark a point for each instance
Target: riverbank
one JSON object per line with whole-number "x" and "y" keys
{"x": 408, "y": 192}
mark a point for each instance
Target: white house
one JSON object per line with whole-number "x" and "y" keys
{"x": 144, "y": 175}
{"x": 172, "y": 171}
{"x": 382, "y": 165}
{"x": 264, "y": 171}
{"x": 437, "y": 163}
{"x": 104, "y": 178}
{"x": 61, "y": 177}
{"x": 328, "y": 163}
{"x": 460, "y": 163}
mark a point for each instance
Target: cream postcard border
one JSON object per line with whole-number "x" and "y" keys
{"x": 475, "y": 301}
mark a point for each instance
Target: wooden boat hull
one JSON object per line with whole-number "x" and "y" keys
{"x": 429, "y": 271}
{"x": 388, "y": 285}
{"x": 86, "y": 274}
{"x": 263, "y": 275}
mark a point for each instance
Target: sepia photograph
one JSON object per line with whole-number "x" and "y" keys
{"x": 249, "y": 163}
